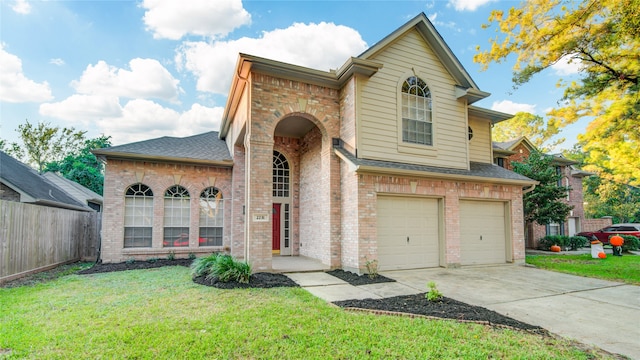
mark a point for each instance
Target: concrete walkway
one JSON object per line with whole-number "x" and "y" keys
{"x": 597, "y": 312}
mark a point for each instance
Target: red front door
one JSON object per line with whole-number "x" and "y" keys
{"x": 275, "y": 219}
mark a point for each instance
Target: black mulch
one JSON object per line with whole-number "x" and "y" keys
{"x": 258, "y": 280}
{"x": 134, "y": 265}
{"x": 446, "y": 308}
{"x": 356, "y": 280}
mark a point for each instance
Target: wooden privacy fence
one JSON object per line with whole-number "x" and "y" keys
{"x": 35, "y": 238}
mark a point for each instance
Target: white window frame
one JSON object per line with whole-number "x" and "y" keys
{"x": 138, "y": 216}
{"x": 211, "y": 219}
{"x": 177, "y": 217}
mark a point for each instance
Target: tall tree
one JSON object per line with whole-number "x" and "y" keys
{"x": 532, "y": 126}
{"x": 43, "y": 143}
{"x": 601, "y": 37}
{"x": 83, "y": 167}
{"x": 544, "y": 203}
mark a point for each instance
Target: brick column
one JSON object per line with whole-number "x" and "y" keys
{"x": 259, "y": 156}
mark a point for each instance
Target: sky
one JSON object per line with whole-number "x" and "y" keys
{"x": 136, "y": 70}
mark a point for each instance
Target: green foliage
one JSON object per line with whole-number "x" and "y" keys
{"x": 222, "y": 267}
{"x": 171, "y": 256}
{"x": 601, "y": 38}
{"x": 539, "y": 132}
{"x": 605, "y": 197}
{"x": 625, "y": 269}
{"x": 131, "y": 260}
{"x": 548, "y": 241}
{"x": 192, "y": 256}
{"x": 544, "y": 204}
{"x": 43, "y": 143}
{"x": 372, "y": 268}
{"x": 630, "y": 243}
{"x": 576, "y": 242}
{"x": 82, "y": 166}
{"x": 152, "y": 260}
{"x": 433, "y": 294}
{"x": 202, "y": 266}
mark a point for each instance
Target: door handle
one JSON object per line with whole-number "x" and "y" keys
{"x": 407, "y": 239}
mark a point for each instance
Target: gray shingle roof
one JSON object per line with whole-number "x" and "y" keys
{"x": 26, "y": 180}
{"x": 74, "y": 189}
{"x": 476, "y": 169}
{"x": 206, "y": 147}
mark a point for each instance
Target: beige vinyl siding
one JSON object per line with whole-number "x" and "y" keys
{"x": 239, "y": 122}
{"x": 480, "y": 144}
{"x": 378, "y": 117}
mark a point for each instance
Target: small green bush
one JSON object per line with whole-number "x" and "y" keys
{"x": 548, "y": 241}
{"x": 222, "y": 267}
{"x": 171, "y": 256}
{"x": 202, "y": 266}
{"x": 433, "y": 294}
{"x": 630, "y": 243}
{"x": 576, "y": 242}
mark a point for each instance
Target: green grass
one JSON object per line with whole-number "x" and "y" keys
{"x": 161, "y": 313}
{"x": 624, "y": 268}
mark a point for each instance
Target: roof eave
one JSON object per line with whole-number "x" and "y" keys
{"x": 143, "y": 157}
{"x": 494, "y": 116}
{"x": 427, "y": 174}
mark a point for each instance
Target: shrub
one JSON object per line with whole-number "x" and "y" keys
{"x": 202, "y": 266}
{"x": 171, "y": 256}
{"x": 576, "y": 242}
{"x": 222, "y": 267}
{"x": 372, "y": 268}
{"x": 630, "y": 243}
{"x": 546, "y": 242}
{"x": 433, "y": 294}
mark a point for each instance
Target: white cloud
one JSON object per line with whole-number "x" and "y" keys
{"x": 511, "y": 107}
{"x": 567, "y": 66}
{"x": 467, "y": 5}
{"x": 171, "y": 19}
{"x": 83, "y": 108}
{"x": 319, "y": 46}
{"x": 21, "y": 7}
{"x": 56, "y": 61}
{"x": 14, "y": 86}
{"x": 147, "y": 78}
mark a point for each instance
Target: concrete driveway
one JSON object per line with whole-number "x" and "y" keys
{"x": 602, "y": 313}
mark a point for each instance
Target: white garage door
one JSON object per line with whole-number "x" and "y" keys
{"x": 482, "y": 232}
{"x": 407, "y": 233}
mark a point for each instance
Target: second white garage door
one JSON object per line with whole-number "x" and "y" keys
{"x": 408, "y": 233}
{"x": 482, "y": 232}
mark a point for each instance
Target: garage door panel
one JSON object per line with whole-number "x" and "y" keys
{"x": 482, "y": 232}
{"x": 400, "y": 218}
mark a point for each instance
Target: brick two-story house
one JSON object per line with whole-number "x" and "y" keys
{"x": 384, "y": 158}
{"x": 518, "y": 150}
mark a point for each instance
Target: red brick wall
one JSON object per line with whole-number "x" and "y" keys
{"x": 596, "y": 224}
{"x": 120, "y": 174}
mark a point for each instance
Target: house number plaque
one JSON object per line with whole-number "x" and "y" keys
{"x": 260, "y": 217}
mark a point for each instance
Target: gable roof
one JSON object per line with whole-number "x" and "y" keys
{"x": 74, "y": 189}
{"x": 33, "y": 187}
{"x": 362, "y": 64}
{"x": 466, "y": 86}
{"x": 512, "y": 144}
{"x": 206, "y": 149}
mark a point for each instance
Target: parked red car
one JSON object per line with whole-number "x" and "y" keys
{"x": 616, "y": 229}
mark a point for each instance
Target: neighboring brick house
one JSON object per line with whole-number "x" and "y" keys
{"x": 21, "y": 183}
{"x": 384, "y": 158}
{"x": 518, "y": 150}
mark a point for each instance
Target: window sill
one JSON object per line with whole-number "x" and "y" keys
{"x": 175, "y": 250}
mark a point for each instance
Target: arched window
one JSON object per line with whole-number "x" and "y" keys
{"x": 138, "y": 216}
{"x": 211, "y": 217}
{"x": 416, "y": 112}
{"x": 280, "y": 175}
{"x": 176, "y": 217}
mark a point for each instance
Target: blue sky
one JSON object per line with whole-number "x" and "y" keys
{"x": 136, "y": 70}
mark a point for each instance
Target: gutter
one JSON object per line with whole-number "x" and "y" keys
{"x": 529, "y": 189}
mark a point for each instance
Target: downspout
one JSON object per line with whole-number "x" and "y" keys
{"x": 529, "y": 189}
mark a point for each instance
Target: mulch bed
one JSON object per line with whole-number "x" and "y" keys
{"x": 258, "y": 280}
{"x": 134, "y": 265}
{"x": 446, "y": 308}
{"x": 357, "y": 280}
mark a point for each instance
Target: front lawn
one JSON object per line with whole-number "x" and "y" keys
{"x": 624, "y": 268}
{"x": 161, "y": 313}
